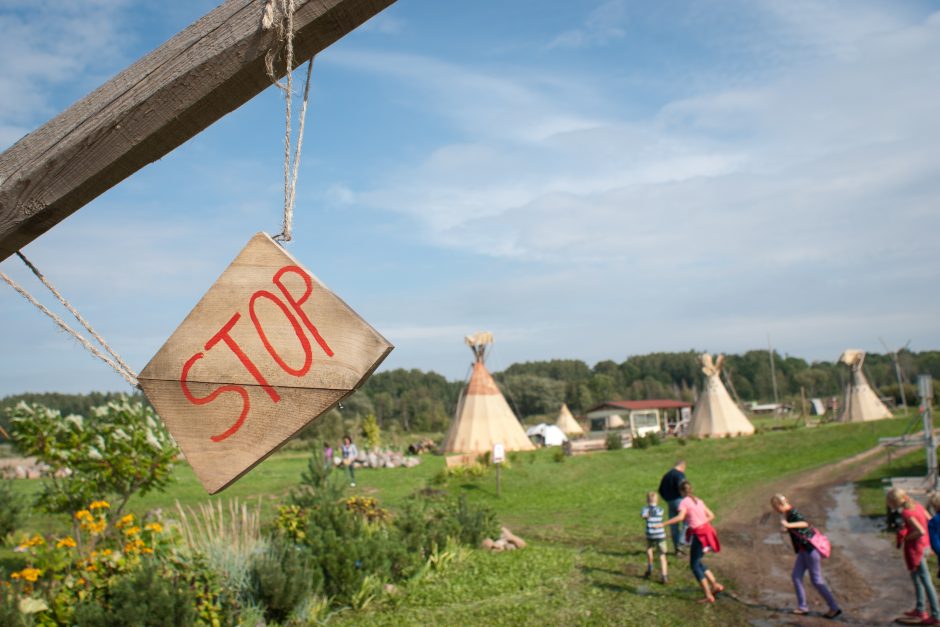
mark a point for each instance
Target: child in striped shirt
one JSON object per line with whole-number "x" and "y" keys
{"x": 655, "y": 536}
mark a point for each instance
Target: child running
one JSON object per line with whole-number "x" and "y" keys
{"x": 913, "y": 538}
{"x": 807, "y": 558}
{"x": 655, "y": 537}
{"x": 696, "y": 514}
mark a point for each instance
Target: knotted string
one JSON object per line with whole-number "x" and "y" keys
{"x": 279, "y": 15}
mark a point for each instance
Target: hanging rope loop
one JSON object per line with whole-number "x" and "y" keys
{"x": 279, "y": 16}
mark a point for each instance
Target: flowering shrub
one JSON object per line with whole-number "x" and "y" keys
{"x": 94, "y": 571}
{"x": 122, "y": 450}
{"x": 368, "y": 508}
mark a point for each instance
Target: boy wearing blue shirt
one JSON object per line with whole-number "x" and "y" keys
{"x": 933, "y": 525}
{"x": 655, "y": 536}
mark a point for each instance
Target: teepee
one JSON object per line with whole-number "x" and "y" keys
{"x": 715, "y": 413}
{"x": 483, "y": 416}
{"x": 861, "y": 403}
{"x": 567, "y": 423}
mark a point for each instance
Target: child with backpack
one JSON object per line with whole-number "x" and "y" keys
{"x": 808, "y": 556}
{"x": 655, "y": 537}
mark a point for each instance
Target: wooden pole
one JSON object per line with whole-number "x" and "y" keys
{"x": 498, "y": 481}
{"x": 203, "y": 73}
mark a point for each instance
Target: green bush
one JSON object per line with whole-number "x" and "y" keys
{"x": 121, "y": 449}
{"x": 146, "y": 597}
{"x": 10, "y": 614}
{"x": 682, "y": 441}
{"x": 430, "y": 520}
{"x": 614, "y": 441}
{"x": 282, "y": 577}
{"x": 558, "y": 455}
{"x": 11, "y": 510}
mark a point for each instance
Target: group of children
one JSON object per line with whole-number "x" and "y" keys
{"x": 915, "y": 535}
{"x": 691, "y": 512}
{"x": 700, "y": 535}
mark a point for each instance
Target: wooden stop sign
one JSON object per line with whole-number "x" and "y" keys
{"x": 267, "y": 350}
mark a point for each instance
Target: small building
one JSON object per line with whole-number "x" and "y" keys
{"x": 641, "y": 417}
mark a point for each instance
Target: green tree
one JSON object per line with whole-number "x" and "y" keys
{"x": 371, "y": 432}
{"x": 120, "y": 450}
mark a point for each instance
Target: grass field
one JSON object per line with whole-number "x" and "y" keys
{"x": 580, "y": 515}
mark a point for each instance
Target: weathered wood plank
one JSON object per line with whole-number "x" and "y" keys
{"x": 201, "y": 74}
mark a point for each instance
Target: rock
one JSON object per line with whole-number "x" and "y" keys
{"x": 390, "y": 589}
{"x": 20, "y": 472}
{"x": 487, "y": 544}
{"x": 499, "y": 545}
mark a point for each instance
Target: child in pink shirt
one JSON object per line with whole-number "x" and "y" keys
{"x": 696, "y": 514}
{"x": 914, "y": 540}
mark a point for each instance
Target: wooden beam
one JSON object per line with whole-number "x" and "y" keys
{"x": 206, "y": 71}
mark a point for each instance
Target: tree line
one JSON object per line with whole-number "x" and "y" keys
{"x": 419, "y": 401}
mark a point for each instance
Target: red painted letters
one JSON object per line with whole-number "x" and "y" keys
{"x": 224, "y": 335}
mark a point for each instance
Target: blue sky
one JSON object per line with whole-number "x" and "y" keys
{"x": 585, "y": 179}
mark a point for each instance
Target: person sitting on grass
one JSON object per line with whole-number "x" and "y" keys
{"x": 912, "y": 537}
{"x": 694, "y": 512}
{"x": 655, "y": 537}
{"x": 807, "y": 558}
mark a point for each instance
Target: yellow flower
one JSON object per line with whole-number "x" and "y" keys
{"x": 132, "y": 531}
{"x": 135, "y": 545}
{"x": 84, "y": 515}
{"x": 154, "y": 527}
{"x": 66, "y": 542}
{"x": 147, "y": 550}
{"x": 105, "y": 552}
{"x": 96, "y": 528}
{"x": 29, "y": 574}
{"x": 100, "y": 505}
{"x": 127, "y": 519}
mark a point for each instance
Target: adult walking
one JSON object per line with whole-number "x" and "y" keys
{"x": 694, "y": 512}
{"x": 350, "y": 453}
{"x": 807, "y": 557}
{"x": 670, "y": 491}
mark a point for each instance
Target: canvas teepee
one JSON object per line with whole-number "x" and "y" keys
{"x": 715, "y": 413}
{"x": 483, "y": 415}
{"x": 567, "y": 423}
{"x": 861, "y": 403}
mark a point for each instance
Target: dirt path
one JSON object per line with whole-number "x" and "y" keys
{"x": 866, "y": 572}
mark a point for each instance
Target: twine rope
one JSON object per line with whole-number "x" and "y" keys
{"x": 279, "y": 16}
{"x": 121, "y": 368}
{"x": 78, "y": 316}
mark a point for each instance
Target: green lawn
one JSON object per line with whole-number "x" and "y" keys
{"x": 871, "y": 489}
{"x": 581, "y": 515}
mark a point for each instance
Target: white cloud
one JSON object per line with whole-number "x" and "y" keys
{"x": 384, "y": 23}
{"x": 51, "y": 51}
{"x": 602, "y": 25}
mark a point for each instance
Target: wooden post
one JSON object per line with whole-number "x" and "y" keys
{"x": 498, "y": 482}
{"x": 206, "y": 71}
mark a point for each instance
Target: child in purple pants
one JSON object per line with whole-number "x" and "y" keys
{"x": 807, "y": 558}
